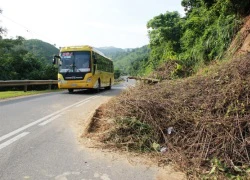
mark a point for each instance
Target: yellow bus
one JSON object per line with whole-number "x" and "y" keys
{"x": 83, "y": 67}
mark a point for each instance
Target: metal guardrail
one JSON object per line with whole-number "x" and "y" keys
{"x": 25, "y": 83}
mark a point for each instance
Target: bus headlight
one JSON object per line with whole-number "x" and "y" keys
{"x": 89, "y": 79}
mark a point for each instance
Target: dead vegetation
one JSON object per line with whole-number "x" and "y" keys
{"x": 203, "y": 122}
{"x": 240, "y": 44}
{"x": 169, "y": 70}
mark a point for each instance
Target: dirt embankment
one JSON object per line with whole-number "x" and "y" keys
{"x": 241, "y": 43}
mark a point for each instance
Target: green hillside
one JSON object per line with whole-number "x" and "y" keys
{"x": 17, "y": 61}
{"x": 203, "y": 35}
{"x": 41, "y": 49}
{"x": 128, "y": 61}
{"x": 110, "y": 51}
{"x": 133, "y": 61}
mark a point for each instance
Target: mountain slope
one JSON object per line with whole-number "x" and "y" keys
{"x": 128, "y": 61}
{"x": 41, "y": 49}
{"x": 132, "y": 62}
{"x": 110, "y": 51}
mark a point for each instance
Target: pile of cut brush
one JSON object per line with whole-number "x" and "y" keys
{"x": 165, "y": 71}
{"x": 203, "y": 122}
{"x": 171, "y": 69}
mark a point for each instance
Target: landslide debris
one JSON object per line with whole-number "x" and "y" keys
{"x": 202, "y": 122}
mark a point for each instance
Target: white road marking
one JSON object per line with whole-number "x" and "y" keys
{"x": 82, "y": 103}
{"x": 24, "y": 127}
{"x": 49, "y": 120}
{"x": 119, "y": 87}
{"x": 65, "y": 174}
{"x": 40, "y": 120}
{"x": 105, "y": 177}
{"x": 6, "y": 143}
{"x": 87, "y": 100}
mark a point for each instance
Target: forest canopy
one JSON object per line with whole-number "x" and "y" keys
{"x": 17, "y": 63}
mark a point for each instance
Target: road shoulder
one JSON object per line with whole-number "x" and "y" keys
{"x": 81, "y": 124}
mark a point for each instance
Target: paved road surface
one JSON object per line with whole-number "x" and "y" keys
{"x": 38, "y": 140}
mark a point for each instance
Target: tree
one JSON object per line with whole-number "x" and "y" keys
{"x": 241, "y": 7}
{"x": 117, "y": 73}
{"x": 17, "y": 63}
{"x": 190, "y": 4}
{"x": 165, "y": 27}
{"x": 165, "y": 32}
{"x": 2, "y": 30}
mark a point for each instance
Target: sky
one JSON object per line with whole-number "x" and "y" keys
{"x": 99, "y": 23}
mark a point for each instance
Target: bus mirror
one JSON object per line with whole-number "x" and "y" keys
{"x": 56, "y": 59}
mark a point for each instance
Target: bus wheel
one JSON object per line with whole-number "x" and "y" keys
{"x": 99, "y": 87}
{"x": 71, "y": 91}
{"x": 108, "y": 87}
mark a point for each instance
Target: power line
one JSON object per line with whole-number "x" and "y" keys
{"x": 26, "y": 29}
{"x": 15, "y": 22}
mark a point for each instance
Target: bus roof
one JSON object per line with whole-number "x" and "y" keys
{"x": 82, "y": 48}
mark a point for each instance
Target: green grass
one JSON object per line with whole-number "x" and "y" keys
{"x": 11, "y": 94}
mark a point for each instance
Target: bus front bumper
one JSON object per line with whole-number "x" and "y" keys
{"x": 75, "y": 85}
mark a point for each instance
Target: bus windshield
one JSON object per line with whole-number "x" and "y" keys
{"x": 74, "y": 61}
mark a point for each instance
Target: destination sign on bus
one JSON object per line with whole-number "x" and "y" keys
{"x": 67, "y": 54}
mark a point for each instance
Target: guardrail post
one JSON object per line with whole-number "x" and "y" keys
{"x": 49, "y": 86}
{"x": 25, "y": 88}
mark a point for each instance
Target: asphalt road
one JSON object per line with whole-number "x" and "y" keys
{"x": 38, "y": 140}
